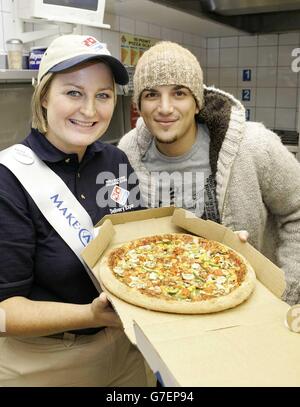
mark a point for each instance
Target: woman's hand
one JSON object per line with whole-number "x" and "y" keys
{"x": 103, "y": 314}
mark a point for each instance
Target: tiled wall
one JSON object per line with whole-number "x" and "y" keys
{"x": 274, "y": 87}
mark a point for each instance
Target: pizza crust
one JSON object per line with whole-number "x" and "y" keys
{"x": 133, "y": 296}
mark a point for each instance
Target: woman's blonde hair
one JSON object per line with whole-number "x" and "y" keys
{"x": 38, "y": 112}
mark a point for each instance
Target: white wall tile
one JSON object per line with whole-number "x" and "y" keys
{"x": 289, "y": 38}
{"x": 197, "y": 41}
{"x": 265, "y": 97}
{"x": 113, "y": 20}
{"x": 127, "y": 25}
{"x": 266, "y": 76}
{"x": 141, "y": 28}
{"x": 228, "y": 77}
{"x": 286, "y": 78}
{"x": 213, "y": 43}
{"x": 212, "y": 77}
{"x": 202, "y": 57}
{"x": 212, "y": 57}
{"x": 178, "y": 37}
{"x": 7, "y": 5}
{"x": 248, "y": 41}
{"x": 286, "y": 97}
{"x": 187, "y": 38}
{"x": 267, "y": 56}
{"x": 228, "y": 57}
{"x": 166, "y": 34}
{"x": 266, "y": 116}
{"x": 268, "y": 39}
{"x": 247, "y": 56}
{"x": 249, "y": 84}
{"x": 285, "y": 57}
{"x": 154, "y": 31}
{"x": 112, "y": 39}
{"x": 229, "y": 42}
{"x": 204, "y": 43}
{"x": 285, "y": 119}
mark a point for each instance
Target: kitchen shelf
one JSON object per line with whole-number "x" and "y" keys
{"x": 12, "y": 75}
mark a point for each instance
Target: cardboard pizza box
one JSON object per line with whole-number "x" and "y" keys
{"x": 248, "y": 345}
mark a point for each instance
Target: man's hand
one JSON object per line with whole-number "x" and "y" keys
{"x": 243, "y": 235}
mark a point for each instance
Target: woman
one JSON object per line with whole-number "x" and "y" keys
{"x": 56, "y": 329}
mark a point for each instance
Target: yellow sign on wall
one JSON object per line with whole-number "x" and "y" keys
{"x": 132, "y": 47}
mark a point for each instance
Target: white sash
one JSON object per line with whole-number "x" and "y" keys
{"x": 54, "y": 199}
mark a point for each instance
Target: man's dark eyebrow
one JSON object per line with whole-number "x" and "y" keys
{"x": 177, "y": 87}
{"x": 149, "y": 90}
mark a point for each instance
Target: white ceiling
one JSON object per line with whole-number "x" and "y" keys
{"x": 145, "y": 10}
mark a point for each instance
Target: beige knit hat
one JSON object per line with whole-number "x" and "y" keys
{"x": 167, "y": 63}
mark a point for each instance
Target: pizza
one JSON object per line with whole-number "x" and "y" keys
{"x": 178, "y": 273}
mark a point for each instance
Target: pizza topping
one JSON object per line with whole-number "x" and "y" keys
{"x": 118, "y": 270}
{"x": 187, "y": 276}
{"x": 178, "y": 266}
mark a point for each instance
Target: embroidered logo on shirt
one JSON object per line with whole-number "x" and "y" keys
{"x": 119, "y": 195}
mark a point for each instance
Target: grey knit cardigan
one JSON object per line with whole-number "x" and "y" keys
{"x": 258, "y": 181}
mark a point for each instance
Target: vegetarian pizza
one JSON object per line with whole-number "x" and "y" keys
{"x": 178, "y": 273}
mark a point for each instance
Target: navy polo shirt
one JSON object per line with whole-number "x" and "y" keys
{"x": 35, "y": 262}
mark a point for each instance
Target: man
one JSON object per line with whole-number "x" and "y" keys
{"x": 192, "y": 147}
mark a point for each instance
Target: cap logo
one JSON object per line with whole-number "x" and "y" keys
{"x": 89, "y": 41}
{"x": 94, "y": 45}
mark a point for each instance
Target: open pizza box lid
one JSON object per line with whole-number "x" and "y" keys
{"x": 248, "y": 345}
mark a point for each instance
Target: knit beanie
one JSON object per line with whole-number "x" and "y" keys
{"x": 168, "y": 63}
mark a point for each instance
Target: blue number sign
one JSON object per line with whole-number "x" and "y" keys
{"x": 246, "y": 75}
{"x": 246, "y": 95}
